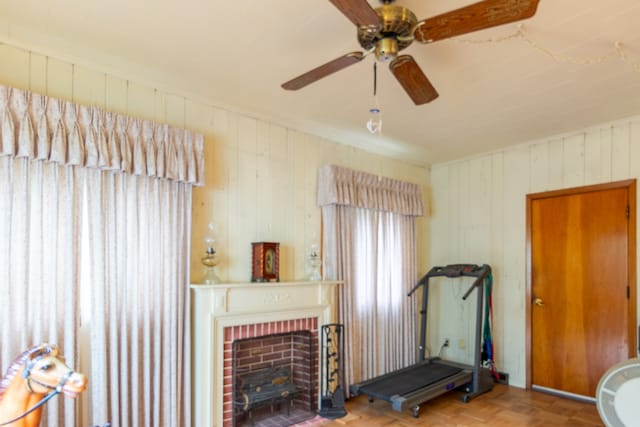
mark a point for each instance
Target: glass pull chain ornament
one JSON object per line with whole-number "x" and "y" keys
{"x": 374, "y": 124}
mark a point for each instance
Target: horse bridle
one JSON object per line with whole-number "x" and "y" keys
{"x": 26, "y": 374}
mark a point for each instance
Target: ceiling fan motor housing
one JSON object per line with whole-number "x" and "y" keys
{"x": 387, "y": 49}
{"x": 394, "y": 35}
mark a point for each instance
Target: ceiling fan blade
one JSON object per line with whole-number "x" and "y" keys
{"x": 358, "y": 11}
{"x": 477, "y": 16}
{"x": 413, "y": 80}
{"x": 323, "y": 71}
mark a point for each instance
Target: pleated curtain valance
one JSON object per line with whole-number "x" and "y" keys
{"x": 342, "y": 186}
{"x": 42, "y": 128}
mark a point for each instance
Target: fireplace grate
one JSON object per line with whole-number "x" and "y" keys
{"x": 264, "y": 387}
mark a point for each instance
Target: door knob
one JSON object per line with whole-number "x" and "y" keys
{"x": 538, "y": 302}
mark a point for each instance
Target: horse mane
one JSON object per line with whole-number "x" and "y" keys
{"x": 17, "y": 363}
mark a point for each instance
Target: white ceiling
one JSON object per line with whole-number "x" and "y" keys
{"x": 236, "y": 53}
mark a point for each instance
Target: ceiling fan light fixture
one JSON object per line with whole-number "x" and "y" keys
{"x": 387, "y": 49}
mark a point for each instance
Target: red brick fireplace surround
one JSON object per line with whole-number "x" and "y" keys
{"x": 224, "y": 313}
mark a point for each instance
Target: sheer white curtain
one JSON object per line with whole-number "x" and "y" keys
{"x": 369, "y": 242}
{"x": 61, "y": 166}
{"x": 139, "y": 233}
{"x": 39, "y": 207}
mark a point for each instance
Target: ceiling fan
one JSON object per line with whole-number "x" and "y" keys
{"x": 388, "y": 29}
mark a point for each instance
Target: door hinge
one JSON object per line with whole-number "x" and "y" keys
{"x": 628, "y": 292}
{"x": 628, "y": 211}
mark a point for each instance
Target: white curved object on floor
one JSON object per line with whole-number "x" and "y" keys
{"x": 618, "y": 395}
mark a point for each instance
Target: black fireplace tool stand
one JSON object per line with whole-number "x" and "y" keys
{"x": 332, "y": 372}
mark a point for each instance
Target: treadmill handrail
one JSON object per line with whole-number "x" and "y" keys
{"x": 421, "y": 282}
{"x": 478, "y": 282}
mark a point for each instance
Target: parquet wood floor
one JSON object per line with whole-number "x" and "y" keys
{"x": 503, "y": 406}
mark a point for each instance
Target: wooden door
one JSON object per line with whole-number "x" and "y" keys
{"x": 582, "y": 315}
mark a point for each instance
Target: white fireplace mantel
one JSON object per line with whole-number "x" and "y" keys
{"x": 215, "y": 307}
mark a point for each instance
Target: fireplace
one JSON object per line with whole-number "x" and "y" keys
{"x": 226, "y": 316}
{"x": 278, "y": 371}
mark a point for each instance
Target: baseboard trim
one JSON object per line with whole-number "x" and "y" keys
{"x": 564, "y": 394}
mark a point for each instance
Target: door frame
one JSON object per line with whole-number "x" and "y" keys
{"x": 630, "y": 185}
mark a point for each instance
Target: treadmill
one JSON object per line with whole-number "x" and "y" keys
{"x": 431, "y": 377}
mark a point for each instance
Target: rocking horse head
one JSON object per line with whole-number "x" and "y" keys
{"x": 35, "y": 373}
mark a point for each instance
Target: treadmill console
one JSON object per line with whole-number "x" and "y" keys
{"x": 457, "y": 270}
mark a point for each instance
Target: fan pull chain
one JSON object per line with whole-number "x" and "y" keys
{"x": 374, "y": 124}
{"x": 375, "y": 78}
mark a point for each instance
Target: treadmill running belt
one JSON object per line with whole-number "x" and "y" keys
{"x": 408, "y": 380}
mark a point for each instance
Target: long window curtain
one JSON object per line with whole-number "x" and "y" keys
{"x": 39, "y": 206}
{"x": 369, "y": 242}
{"x": 89, "y": 193}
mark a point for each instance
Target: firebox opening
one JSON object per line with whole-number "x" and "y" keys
{"x": 274, "y": 380}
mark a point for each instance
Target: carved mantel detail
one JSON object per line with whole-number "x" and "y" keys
{"x": 277, "y": 298}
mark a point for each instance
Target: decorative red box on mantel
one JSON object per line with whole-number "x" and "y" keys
{"x": 265, "y": 262}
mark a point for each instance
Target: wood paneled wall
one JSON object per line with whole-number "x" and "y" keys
{"x": 260, "y": 176}
{"x": 261, "y": 185}
{"x": 478, "y": 216}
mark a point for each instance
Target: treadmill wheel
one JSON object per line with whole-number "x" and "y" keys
{"x": 416, "y": 411}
